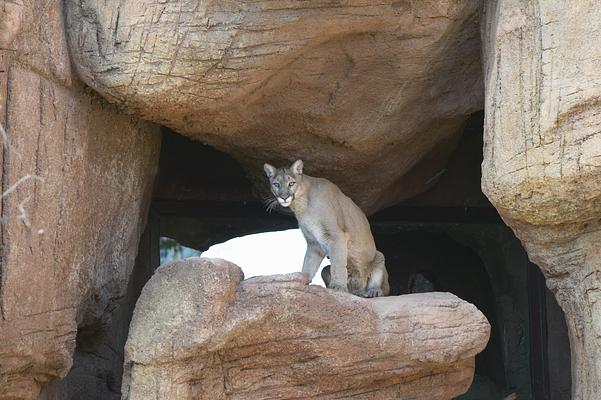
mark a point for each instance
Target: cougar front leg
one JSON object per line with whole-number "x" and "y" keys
{"x": 338, "y": 271}
{"x": 313, "y": 258}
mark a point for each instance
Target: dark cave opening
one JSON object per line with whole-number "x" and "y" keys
{"x": 449, "y": 238}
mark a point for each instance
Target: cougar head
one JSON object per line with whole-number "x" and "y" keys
{"x": 284, "y": 182}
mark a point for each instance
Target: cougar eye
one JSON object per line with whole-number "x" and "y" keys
{"x": 277, "y": 185}
{"x": 290, "y": 184}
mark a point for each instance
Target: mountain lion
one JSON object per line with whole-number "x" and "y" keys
{"x": 334, "y": 226}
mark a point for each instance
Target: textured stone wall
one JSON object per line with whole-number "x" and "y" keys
{"x": 542, "y": 155}
{"x": 372, "y": 96}
{"x": 366, "y": 93}
{"x": 76, "y": 177}
{"x": 200, "y": 332}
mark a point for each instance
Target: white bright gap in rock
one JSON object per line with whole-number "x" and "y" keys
{"x": 267, "y": 253}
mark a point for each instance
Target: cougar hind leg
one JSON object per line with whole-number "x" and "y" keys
{"x": 356, "y": 283}
{"x": 377, "y": 285}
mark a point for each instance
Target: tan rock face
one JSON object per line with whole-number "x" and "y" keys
{"x": 362, "y": 92}
{"x": 200, "y": 332}
{"x": 76, "y": 178}
{"x": 11, "y": 14}
{"x": 542, "y": 154}
{"x": 70, "y": 256}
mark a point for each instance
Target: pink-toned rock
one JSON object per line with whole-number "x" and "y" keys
{"x": 69, "y": 232}
{"x": 76, "y": 181}
{"x": 200, "y": 332}
{"x": 11, "y": 13}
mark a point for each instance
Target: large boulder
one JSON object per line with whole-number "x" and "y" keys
{"x": 370, "y": 95}
{"x": 200, "y": 332}
{"x": 77, "y": 176}
{"x": 542, "y": 154}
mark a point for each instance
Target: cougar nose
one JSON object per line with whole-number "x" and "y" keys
{"x": 285, "y": 197}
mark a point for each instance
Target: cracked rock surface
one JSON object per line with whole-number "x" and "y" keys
{"x": 371, "y": 95}
{"x": 200, "y": 332}
{"x": 542, "y": 155}
{"x": 76, "y": 181}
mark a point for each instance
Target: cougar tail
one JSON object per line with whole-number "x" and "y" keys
{"x": 325, "y": 275}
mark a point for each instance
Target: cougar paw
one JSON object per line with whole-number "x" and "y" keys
{"x": 373, "y": 292}
{"x": 338, "y": 287}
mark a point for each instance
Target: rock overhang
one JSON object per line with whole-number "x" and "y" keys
{"x": 362, "y": 92}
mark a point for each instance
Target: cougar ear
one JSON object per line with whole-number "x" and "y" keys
{"x": 297, "y": 167}
{"x": 269, "y": 170}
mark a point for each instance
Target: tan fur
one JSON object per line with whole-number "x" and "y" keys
{"x": 332, "y": 225}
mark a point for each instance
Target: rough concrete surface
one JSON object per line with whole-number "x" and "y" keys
{"x": 200, "y": 332}
{"x": 76, "y": 183}
{"x": 542, "y": 155}
{"x": 371, "y": 95}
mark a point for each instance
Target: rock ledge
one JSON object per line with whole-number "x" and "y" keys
{"x": 200, "y": 331}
